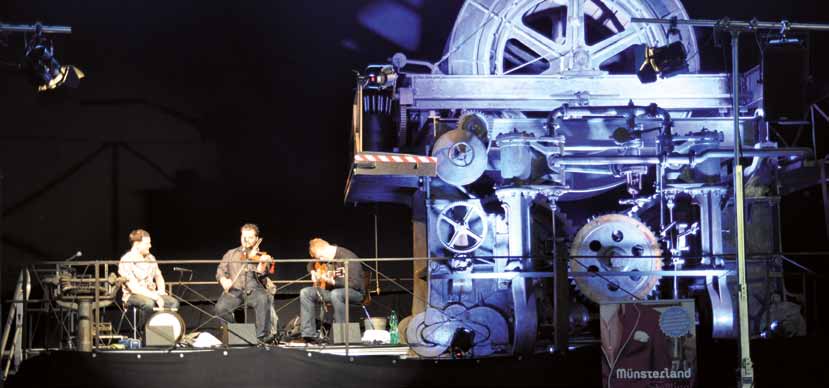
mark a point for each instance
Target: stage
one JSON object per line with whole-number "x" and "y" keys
{"x": 792, "y": 362}
{"x": 297, "y": 367}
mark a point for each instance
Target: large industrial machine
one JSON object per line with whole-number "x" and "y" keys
{"x": 555, "y": 159}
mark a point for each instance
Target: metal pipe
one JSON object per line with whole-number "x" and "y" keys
{"x": 85, "y": 326}
{"x": 561, "y": 288}
{"x": 432, "y": 68}
{"x": 736, "y": 24}
{"x": 630, "y": 112}
{"x": 34, "y": 28}
{"x": 588, "y": 148}
{"x": 587, "y": 170}
{"x": 685, "y": 159}
{"x": 812, "y": 122}
{"x": 393, "y": 259}
{"x": 572, "y": 160}
{"x": 74, "y": 306}
{"x": 595, "y": 189}
{"x": 344, "y": 325}
{"x": 824, "y": 193}
{"x": 746, "y": 368}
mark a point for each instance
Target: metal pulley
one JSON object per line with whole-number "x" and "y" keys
{"x": 462, "y": 157}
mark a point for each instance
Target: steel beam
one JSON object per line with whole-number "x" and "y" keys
{"x": 544, "y": 93}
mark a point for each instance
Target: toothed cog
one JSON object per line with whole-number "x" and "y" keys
{"x": 615, "y": 243}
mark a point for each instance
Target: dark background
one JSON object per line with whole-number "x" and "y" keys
{"x": 198, "y": 116}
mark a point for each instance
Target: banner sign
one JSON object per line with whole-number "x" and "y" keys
{"x": 648, "y": 344}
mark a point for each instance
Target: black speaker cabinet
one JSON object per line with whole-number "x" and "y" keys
{"x": 239, "y": 334}
{"x": 785, "y": 79}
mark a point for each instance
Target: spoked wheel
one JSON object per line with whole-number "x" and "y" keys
{"x": 559, "y": 36}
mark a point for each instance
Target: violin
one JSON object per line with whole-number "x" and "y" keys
{"x": 257, "y": 257}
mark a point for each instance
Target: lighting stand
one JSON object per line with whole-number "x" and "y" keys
{"x": 735, "y": 28}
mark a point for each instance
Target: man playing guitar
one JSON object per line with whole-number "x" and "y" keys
{"x": 329, "y": 284}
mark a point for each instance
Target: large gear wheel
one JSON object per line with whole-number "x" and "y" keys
{"x": 615, "y": 243}
{"x": 560, "y": 36}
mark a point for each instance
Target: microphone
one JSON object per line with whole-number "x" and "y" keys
{"x": 182, "y": 269}
{"x": 75, "y": 256}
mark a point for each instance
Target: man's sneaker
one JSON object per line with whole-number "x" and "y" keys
{"x": 314, "y": 341}
{"x": 266, "y": 339}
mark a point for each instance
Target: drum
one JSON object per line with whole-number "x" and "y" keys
{"x": 167, "y": 318}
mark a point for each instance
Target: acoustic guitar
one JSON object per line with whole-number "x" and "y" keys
{"x": 322, "y": 273}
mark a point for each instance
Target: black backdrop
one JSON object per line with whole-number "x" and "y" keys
{"x": 212, "y": 114}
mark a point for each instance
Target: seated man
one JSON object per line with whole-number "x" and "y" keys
{"x": 144, "y": 286}
{"x": 240, "y": 277}
{"x": 329, "y": 286}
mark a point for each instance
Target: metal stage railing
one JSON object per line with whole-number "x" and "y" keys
{"x": 76, "y": 294}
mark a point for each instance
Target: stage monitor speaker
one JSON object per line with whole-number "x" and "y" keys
{"x": 159, "y": 336}
{"x": 339, "y": 331}
{"x": 785, "y": 79}
{"x": 239, "y": 334}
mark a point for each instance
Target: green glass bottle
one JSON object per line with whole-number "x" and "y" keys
{"x": 393, "y": 334}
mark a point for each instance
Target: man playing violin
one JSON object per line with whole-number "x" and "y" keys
{"x": 329, "y": 284}
{"x": 239, "y": 274}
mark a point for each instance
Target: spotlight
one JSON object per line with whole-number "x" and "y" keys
{"x": 44, "y": 69}
{"x": 664, "y": 61}
{"x": 462, "y": 342}
{"x": 380, "y": 76}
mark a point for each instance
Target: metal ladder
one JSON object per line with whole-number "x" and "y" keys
{"x": 16, "y": 311}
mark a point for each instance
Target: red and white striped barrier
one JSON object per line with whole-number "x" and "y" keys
{"x": 394, "y": 158}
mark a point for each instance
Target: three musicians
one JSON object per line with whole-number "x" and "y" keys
{"x": 240, "y": 274}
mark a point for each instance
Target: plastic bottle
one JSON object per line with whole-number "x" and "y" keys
{"x": 393, "y": 334}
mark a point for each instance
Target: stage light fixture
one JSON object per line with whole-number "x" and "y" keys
{"x": 44, "y": 69}
{"x": 380, "y": 76}
{"x": 664, "y": 61}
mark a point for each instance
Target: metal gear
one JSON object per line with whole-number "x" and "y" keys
{"x": 475, "y": 122}
{"x": 615, "y": 243}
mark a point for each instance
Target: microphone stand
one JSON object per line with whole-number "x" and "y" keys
{"x": 322, "y": 301}
{"x": 210, "y": 315}
{"x": 180, "y": 277}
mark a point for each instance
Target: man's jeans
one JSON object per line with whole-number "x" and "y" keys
{"x": 259, "y": 299}
{"x": 146, "y": 305}
{"x": 309, "y": 298}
